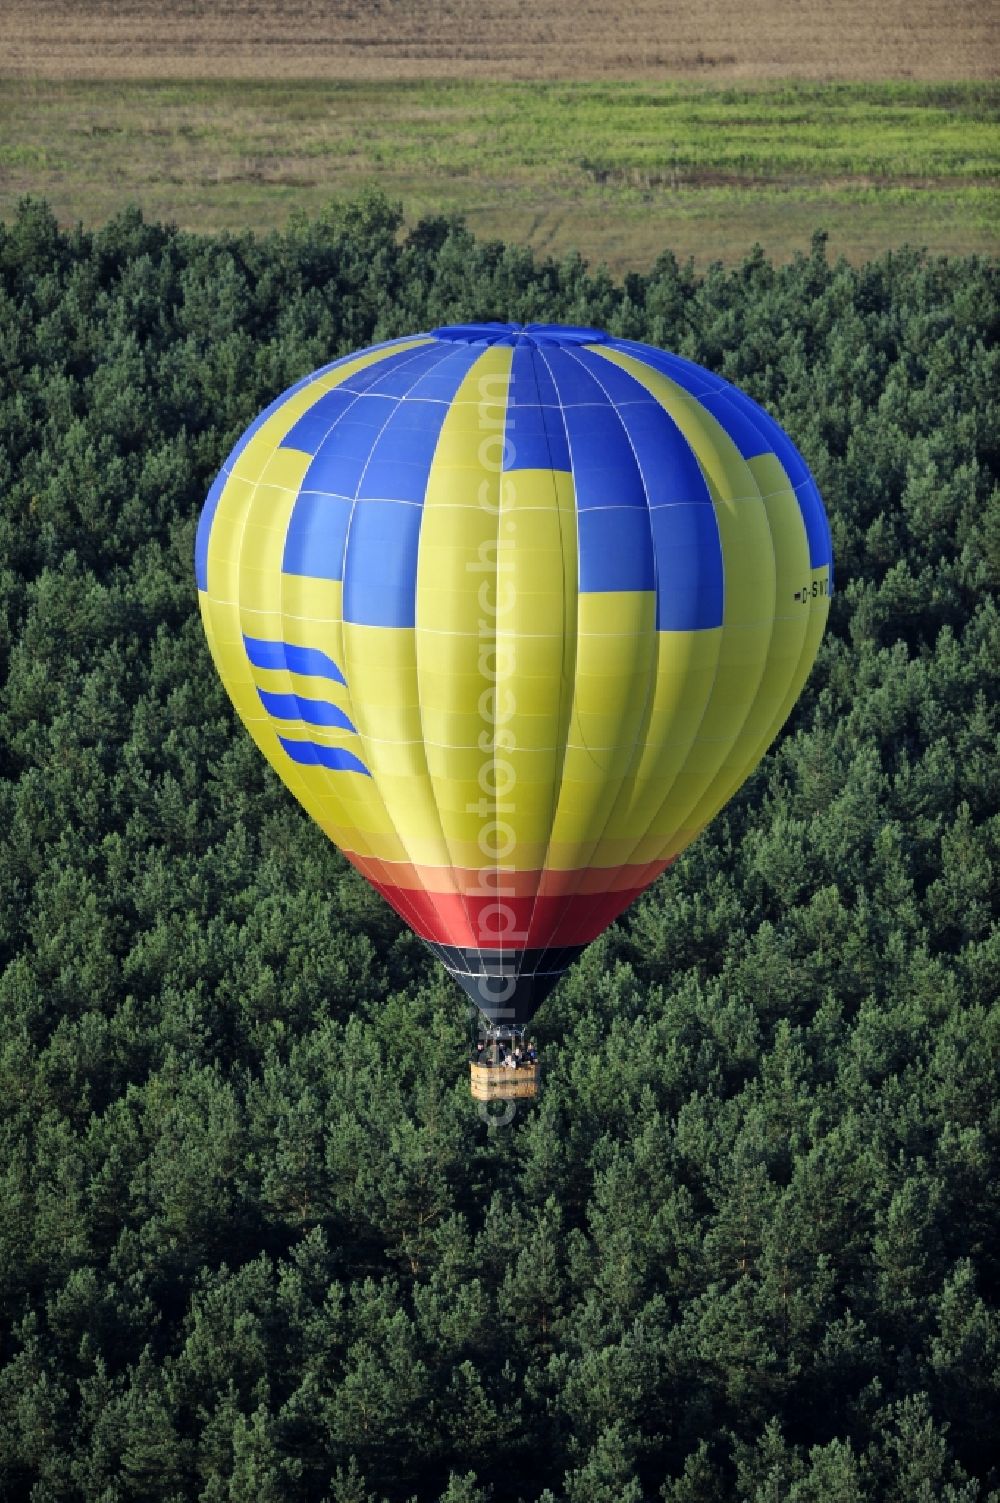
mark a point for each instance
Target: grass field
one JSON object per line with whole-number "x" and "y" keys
{"x": 617, "y": 170}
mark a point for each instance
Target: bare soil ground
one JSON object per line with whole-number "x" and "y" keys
{"x": 503, "y": 39}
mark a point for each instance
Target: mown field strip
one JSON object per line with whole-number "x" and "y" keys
{"x": 526, "y": 39}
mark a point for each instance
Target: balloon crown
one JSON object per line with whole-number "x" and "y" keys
{"x": 531, "y": 335}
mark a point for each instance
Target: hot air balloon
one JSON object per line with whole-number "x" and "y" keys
{"x": 513, "y": 611}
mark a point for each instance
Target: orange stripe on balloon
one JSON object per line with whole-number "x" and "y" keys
{"x": 492, "y": 883}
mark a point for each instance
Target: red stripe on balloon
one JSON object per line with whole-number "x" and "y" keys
{"x": 515, "y": 923}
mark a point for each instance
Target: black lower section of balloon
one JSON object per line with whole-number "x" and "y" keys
{"x": 507, "y": 986}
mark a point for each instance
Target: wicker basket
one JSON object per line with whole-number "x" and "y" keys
{"x": 500, "y": 1083}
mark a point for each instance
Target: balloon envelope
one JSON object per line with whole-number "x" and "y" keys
{"x": 513, "y": 611}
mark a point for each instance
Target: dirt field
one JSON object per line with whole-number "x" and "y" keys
{"x": 505, "y": 39}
